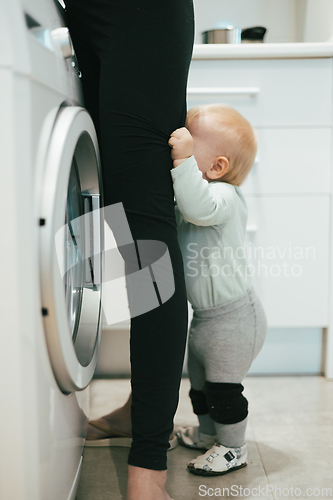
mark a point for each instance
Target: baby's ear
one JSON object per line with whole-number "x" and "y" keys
{"x": 218, "y": 169}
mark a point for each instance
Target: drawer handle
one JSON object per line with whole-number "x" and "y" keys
{"x": 251, "y": 229}
{"x": 231, "y": 91}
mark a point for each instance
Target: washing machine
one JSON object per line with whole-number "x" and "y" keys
{"x": 51, "y": 254}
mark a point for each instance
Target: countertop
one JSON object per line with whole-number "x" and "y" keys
{"x": 262, "y": 50}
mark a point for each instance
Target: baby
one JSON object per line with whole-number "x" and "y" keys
{"x": 211, "y": 157}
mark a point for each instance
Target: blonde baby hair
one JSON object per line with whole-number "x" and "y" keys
{"x": 238, "y": 139}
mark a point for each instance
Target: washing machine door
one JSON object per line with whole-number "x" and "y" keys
{"x": 71, "y": 248}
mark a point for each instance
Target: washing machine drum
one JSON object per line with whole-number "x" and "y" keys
{"x": 71, "y": 244}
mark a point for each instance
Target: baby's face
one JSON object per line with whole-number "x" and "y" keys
{"x": 202, "y": 129}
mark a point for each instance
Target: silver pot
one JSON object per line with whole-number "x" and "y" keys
{"x": 230, "y": 34}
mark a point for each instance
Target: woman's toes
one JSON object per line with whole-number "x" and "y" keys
{"x": 94, "y": 433}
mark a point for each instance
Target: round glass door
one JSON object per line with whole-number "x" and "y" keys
{"x": 74, "y": 256}
{"x": 71, "y": 248}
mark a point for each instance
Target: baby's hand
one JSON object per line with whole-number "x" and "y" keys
{"x": 181, "y": 143}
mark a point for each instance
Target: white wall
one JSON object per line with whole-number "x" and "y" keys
{"x": 278, "y": 16}
{"x": 314, "y": 20}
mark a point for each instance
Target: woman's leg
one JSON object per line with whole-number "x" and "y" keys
{"x": 144, "y": 50}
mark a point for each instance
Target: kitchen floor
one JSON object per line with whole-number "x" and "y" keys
{"x": 290, "y": 444}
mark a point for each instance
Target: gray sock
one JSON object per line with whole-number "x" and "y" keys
{"x": 231, "y": 435}
{"x": 206, "y": 424}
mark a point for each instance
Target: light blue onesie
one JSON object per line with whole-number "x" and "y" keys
{"x": 211, "y": 223}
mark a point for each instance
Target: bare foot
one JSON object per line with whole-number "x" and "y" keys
{"x": 146, "y": 484}
{"x": 117, "y": 426}
{"x": 118, "y": 421}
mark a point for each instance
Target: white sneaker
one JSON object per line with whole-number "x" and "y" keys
{"x": 218, "y": 460}
{"x": 191, "y": 437}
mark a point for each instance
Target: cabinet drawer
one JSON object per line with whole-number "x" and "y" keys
{"x": 271, "y": 92}
{"x": 291, "y": 161}
{"x": 288, "y": 250}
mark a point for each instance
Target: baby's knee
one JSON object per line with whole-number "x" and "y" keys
{"x": 226, "y": 403}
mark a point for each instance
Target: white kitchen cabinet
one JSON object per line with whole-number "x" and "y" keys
{"x": 270, "y": 92}
{"x": 291, "y": 161}
{"x": 288, "y": 254}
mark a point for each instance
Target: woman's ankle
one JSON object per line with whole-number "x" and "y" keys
{"x": 146, "y": 484}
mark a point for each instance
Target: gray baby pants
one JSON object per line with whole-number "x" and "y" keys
{"x": 223, "y": 342}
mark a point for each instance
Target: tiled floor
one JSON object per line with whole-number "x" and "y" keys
{"x": 290, "y": 441}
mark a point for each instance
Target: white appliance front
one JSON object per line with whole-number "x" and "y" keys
{"x": 51, "y": 254}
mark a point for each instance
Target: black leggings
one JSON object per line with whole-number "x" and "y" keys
{"x": 134, "y": 56}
